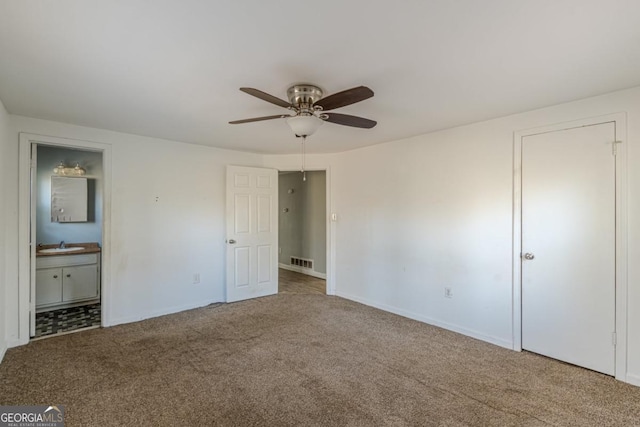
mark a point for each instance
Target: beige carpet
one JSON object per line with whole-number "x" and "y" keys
{"x": 303, "y": 360}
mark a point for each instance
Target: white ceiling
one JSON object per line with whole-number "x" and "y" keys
{"x": 172, "y": 69}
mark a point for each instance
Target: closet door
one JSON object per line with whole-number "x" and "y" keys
{"x": 569, "y": 246}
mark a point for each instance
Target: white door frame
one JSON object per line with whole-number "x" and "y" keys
{"x": 620, "y": 121}
{"x": 26, "y": 251}
{"x": 330, "y": 229}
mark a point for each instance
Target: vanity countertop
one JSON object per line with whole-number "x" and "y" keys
{"x": 89, "y": 248}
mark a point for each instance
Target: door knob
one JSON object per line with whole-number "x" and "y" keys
{"x": 231, "y": 241}
{"x": 529, "y": 256}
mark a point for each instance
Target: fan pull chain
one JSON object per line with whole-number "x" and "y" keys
{"x": 304, "y": 173}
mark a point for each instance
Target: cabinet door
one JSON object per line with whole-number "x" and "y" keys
{"x": 48, "y": 286}
{"x": 79, "y": 283}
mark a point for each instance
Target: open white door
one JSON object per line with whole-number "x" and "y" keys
{"x": 252, "y": 232}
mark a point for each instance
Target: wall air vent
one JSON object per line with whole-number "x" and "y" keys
{"x": 302, "y": 262}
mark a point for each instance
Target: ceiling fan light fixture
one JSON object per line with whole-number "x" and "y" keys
{"x": 304, "y": 125}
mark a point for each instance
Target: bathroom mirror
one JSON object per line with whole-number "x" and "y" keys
{"x": 69, "y": 197}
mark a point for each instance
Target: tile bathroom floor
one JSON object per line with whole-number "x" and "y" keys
{"x": 67, "y": 320}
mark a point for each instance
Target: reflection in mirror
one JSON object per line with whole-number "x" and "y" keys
{"x": 68, "y": 199}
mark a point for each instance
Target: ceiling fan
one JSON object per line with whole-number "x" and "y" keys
{"x": 309, "y": 108}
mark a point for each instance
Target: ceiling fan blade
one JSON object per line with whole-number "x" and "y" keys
{"x": 346, "y": 97}
{"x": 265, "y": 97}
{"x": 347, "y": 120}
{"x": 259, "y": 119}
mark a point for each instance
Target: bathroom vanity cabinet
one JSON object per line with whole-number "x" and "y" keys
{"x": 67, "y": 279}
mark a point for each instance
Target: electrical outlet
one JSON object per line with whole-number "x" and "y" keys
{"x": 448, "y": 293}
{"x": 196, "y": 278}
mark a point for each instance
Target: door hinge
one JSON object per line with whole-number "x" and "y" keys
{"x": 614, "y": 148}
{"x": 614, "y": 339}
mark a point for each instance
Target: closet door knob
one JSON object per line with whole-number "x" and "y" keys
{"x": 55, "y": 276}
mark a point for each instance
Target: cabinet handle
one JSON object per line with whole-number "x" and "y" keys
{"x": 68, "y": 275}
{"x": 55, "y": 276}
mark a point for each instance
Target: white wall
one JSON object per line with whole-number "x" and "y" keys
{"x": 435, "y": 210}
{"x": 167, "y": 221}
{"x": 4, "y": 143}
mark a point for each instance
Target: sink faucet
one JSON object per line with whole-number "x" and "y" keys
{"x": 62, "y": 245}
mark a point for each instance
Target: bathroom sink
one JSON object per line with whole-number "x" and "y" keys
{"x": 60, "y": 250}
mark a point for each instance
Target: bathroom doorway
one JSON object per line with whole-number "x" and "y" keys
{"x": 27, "y": 243}
{"x": 67, "y": 218}
{"x": 302, "y": 232}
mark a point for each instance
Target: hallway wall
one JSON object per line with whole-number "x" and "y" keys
{"x": 302, "y": 230}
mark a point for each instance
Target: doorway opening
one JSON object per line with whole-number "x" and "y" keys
{"x": 82, "y": 274}
{"x": 302, "y": 232}
{"x": 66, "y": 211}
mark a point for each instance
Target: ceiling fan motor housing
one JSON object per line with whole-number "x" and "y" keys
{"x": 304, "y": 95}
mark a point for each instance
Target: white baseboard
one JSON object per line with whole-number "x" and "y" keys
{"x": 157, "y": 313}
{"x": 307, "y": 271}
{"x": 633, "y": 379}
{"x": 17, "y": 342}
{"x": 444, "y": 325}
{"x": 3, "y": 350}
